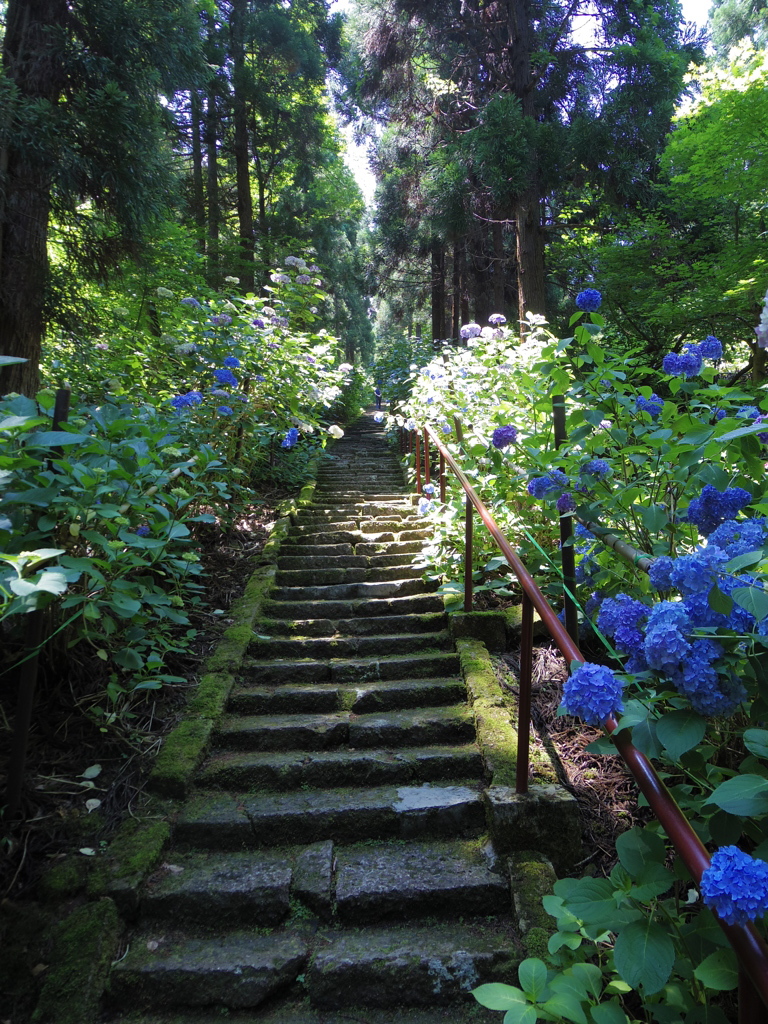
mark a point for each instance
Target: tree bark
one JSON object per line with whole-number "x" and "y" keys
{"x": 25, "y": 186}
{"x": 198, "y": 190}
{"x": 438, "y": 291}
{"x": 242, "y": 160}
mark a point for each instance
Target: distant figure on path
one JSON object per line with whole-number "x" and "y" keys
{"x": 377, "y": 393}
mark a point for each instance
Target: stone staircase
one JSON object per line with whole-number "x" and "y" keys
{"x": 333, "y": 854}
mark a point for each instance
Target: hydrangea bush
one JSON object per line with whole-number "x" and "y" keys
{"x": 672, "y": 459}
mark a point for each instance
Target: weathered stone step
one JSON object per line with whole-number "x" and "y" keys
{"x": 321, "y": 577}
{"x": 409, "y": 966}
{"x": 238, "y": 970}
{"x": 356, "y": 646}
{"x": 393, "y": 729}
{"x": 357, "y": 884}
{"x": 352, "y": 591}
{"x": 429, "y": 622}
{"x": 335, "y": 768}
{"x": 292, "y": 1008}
{"x": 381, "y": 696}
{"x": 410, "y": 604}
{"x": 376, "y": 882}
{"x": 417, "y": 965}
{"x": 325, "y": 562}
{"x": 356, "y": 671}
{"x": 214, "y": 821}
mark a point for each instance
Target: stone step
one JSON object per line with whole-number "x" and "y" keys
{"x": 327, "y": 698}
{"x": 360, "y": 884}
{"x": 325, "y": 562}
{"x": 334, "y": 576}
{"x": 390, "y": 729}
{"x": 356, "y": 646}
{"x": 417, "y": 965}
{"x": 355, "y": 671}
{"x": 292, "y": 1008}
{"x": 213, "y": 821}
{"x": 353, "y": 591}
{"x": 429, "y": 622}
{"x": 336, "y": 768}
{"x": 374, "y": 607}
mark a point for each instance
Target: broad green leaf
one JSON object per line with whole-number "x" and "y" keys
{"x": 720, "y": 602}
{"x": 745, "y": 795}
{"x": 57, "y": 438}
{"x": 645, "y": 739}
{"x": 497, "y": 996}
{"x": 753, "y": 599}
{"x": 125, "y": 607}
{"x": 566, "y": 1004}
{"x": 532, "y": 975}
{"x": 637, "y": 846}
{"x": 644, "y": 954}
{"x": 720, "y": 970}
{"x": 680, "y": 731}
{"x": 590, "y": 976}
{"x": 742, "y": 561}
{"x": 129, "y": 659}
{"x": 731, "y": 435}
{"x": 521, "y": 1014}
{"x": 608, "y": 1013}
{"x": 756, "y": 742}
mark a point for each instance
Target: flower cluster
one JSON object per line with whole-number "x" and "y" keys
{"x": 592, "y": 693}
{"x": 762, "y": 328}
{"x": 596, "y": 467}
{"x": 503, "y": 436}
{"x": 551, "y": 483}
{"x": 735, "y": 886}
{"x": 652, "y": 405}
{"x": 471, "y": 331}
{"x": 221, "y": 320}
{"x": 290, "y": 438}
{"x": 225, "y": 376}
{"x": 714, "y": 507}
{"x": 186, "y": 401}
{"x": 689, "y": 362}
{"x": 589, "y": 300}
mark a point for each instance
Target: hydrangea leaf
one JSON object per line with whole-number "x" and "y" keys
{"x": 756, "y": 742}
{"x": 744, "y": 795}
{"x": 637, "y": 846}
{"x": 498, "y": 996}
{"x": 608, "y": 1013}
{"x": 753, "y": 600}
{"x": 644, "y": 955}
{"x": 719, "y": 971}
{"x": 680, "y": 731}
{"x": 532, "y": 975}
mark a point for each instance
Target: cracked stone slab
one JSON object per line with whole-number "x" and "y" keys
{"x": 313, "y": 878}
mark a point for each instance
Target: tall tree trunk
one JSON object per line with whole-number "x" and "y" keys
{"x": 438, "y": 291}
{"x": 198, "y": 192}
{"x": 25, "y": 183}
{"x": 242, "y": 161}
{"x": 499, "y": 266}
{"x": 456, "y": 296}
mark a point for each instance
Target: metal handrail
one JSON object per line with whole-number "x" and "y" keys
{"x": 749, "y": 946}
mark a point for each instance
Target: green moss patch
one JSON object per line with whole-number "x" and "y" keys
{"x": 182, "y": 752}
{"x": 132, "y": 854}
{"x": 82, "y": 949}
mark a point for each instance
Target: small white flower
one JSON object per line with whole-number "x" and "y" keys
{"x": 335, "y": 431}
{"x": 164, "y": 293}
{"x": 232, "y": 280}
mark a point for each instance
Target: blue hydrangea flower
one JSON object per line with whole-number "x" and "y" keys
{"x": 713, "y": 507}
{"x": 429, "y": 489}
{"x": 592, "y": 693}
{"x": 738, "y": 537}
{"x": 551, "y": 483}
{"x": 190, "y": 302}
{"x": 232, "y": 362}
{"x": 503, "y": 436}
{"x": 225, "y": 410}
{"x": 142, "y": 531}
{"x": 290, "y": 438}
{"x": 225, "y": 377}
{"x": 259, "y": 378}
{"x": 258, "y": 323}
{"x": 747, "y": 412}
{"x": 497, "y": 319}
{"x": 652, "y": 405}
{"x": 221, "y": 320}
{"x": 735, "y": 885}
{"x": 671, "y": 364}
{"x": 589, "y": 300}
{"x": 425, "y": 506}
{"x": 596, "y": 467}
{"x": 697, "y": 573}
{"x": 660, "y": 572}
{"x": 621, "y": 618}
{"x": 565, "y": 503}
{"x": 710, "y": 692}
{"x": 445, "y": 426}
{"x": 711, "y": 348}
{"x": 378, "y": 417}
{"x": 690, "y": 362}
{"x": 470, "y": 331}
{"x": 665, "y": 643}
{"x": 185, "y": 401}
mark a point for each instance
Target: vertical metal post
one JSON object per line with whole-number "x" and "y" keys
{"x": 427, "y": 456}
{"x": 459, "y": 428}
{"x": 567, "y": 553}
{"x": 468, "y": 554}
{"x": 417, "y": 439}
{"x": 442, "y": 478}
{"x": 524, "y": 699}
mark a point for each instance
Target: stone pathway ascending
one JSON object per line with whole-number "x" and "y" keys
{"x": 333, "y": 853}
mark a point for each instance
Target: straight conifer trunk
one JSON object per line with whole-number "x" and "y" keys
{"x": 28, "y": 61}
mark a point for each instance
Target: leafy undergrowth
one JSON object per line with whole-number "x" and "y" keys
{"x": 85, "y": 769}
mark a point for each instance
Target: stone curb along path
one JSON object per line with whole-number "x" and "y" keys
{"x": 345, "y": 834}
